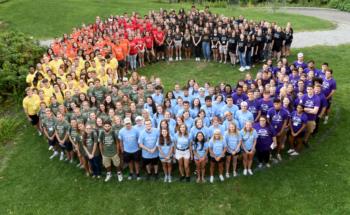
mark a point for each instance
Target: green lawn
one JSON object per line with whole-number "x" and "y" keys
{"x": 316, "y": 182}
{"x": 52, "y": 18}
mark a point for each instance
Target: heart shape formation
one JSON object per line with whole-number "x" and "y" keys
{"x": 80, "y": 98}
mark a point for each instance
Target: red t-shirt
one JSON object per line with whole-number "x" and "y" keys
{"x": 132, "y": 45}
{"x": 148, "y": 41}
{"x": 159, "y": 36}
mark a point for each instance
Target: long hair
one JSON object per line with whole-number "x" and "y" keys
{"x": 167, "y": 139}
{"x": 185, "y": 134}
{"x": 196, "y": 141}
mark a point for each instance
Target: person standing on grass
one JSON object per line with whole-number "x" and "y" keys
{"x": 206, "y": 45}
{"x": 241, "y": 52}
{"x": 249, "y": 53}
{"x": 233, "y": 145}
{"x": 188, "y": 44}
{"x": 73, "y": 135}
{"x": 249, "y": 137}
{"x": 323, "y": 106}
{"x": 165, "y": 147}
{"x": 31, "y": 107}
{"x": 243, "y": 115}
{"x": 148, "y": 143}
{"x": 278, "y": 118}
{"x": 329, "y": 86}
{"x": 159, "y": 38}
{"x": 169, "y": 43}
{"x": 48, "y": 126}
{"x": 217, "y": 151}
{"x": 297, "y": 130}
{"x": 78, "y": 139}
{"x": 108, "y": 146}
{"x": 200, "y": 152}
{"x": 265, "y": 142}
{"x": 223, "y": 46}
{"x": 92, "y": 151}
{"x": 278, "y": 41}
{"x": 196, "y": 40}
{"x": 128, "y": 137}
{"x": 178, "y": 37}
{"x": 62, "y": 133}
{"x": 232, "y": 47}
{"x": 311, "y": 103}
{"x": 215, "y": 43}
{"x": 183, "y": 152}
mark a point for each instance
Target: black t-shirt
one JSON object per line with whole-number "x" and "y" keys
{"x": 196, "y": 36}
{"x": 260, "y": 41}
{"x": 215, "y": 39}
{"x": 223, "y": 39}
{"x": 206, "y": 37}
{"x": 268, "y": 38}
{"x": 241, "y": 45}
{"x": 232, "y": 43}
{"x": 289, "y": 37}
{"x": 178, "y": 36}
{"x": 250, "y": 45}
{"x": 278, "y": 38}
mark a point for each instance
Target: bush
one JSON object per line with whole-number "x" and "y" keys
{"x": 9, "y": 127}
{"x": 340, "y": 4}
{"x": 17, "y": 53}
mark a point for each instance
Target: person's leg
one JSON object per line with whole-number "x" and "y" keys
{"x": 310, "y": 127}
{"x": 245, "y": 161}
{"x": 228, "y": 162}
{"x": 234, "y": 163}
{"x": 203, "y": 164}
{"x": 299, "y": 143}
{"x": 181, "y": 167}
{"x": 225, "y": 55}
{"x": 250, "y": 160}
{"x": 165, "y": 168}
{"x": 187, "y": 167}
{"x": 221, "y": 167}
{"x": 198, "y": 169}
{"x": 212, "y": 167}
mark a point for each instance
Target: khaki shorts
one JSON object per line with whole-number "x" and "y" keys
{"x": 107, "y": 161}
{"x": 310, "y": 126}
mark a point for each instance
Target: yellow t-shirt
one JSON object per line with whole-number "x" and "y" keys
{"x": 48, "y": 92}
{"x": 59, "y": 97}
{"x": 113, "y": 63}
{"x": 30, "y": 78}
{"x": 83, "y": 89}
{"x": 31, "y": 104}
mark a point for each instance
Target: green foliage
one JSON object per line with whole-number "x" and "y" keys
{"x": 17, "y": 53}
{"x": 8, "y": 128}
{"x": 340, "y": 4}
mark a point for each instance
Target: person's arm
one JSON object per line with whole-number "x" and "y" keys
{"x": 284, "y": 126}
{"x": 313, "y": 110}
{"x": 25, "y": 109}
{"x": 254, "y": 144}
{"x": 330, "y": 94}
{"x": 323, "y": 110}
{"x": 299, "y": 131}
{"x": 223, "y": 152}
{"x": 87, "y": 152}
{"x": 245, "y": 50}
{"x": 160, "y": 152}
{"x": 252, "y": 51}
{"x": 101, "y": 148}
{"x": 200, "y": 39}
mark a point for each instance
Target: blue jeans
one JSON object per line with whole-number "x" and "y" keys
{"x": 206, "y": 50}
{"x": 242, "y": 61}
{"x": 95, "y": 164}
{"x": 249, "y": 58}
{"x": 132, "y": 61}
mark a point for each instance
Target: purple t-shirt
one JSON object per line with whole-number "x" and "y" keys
{"x": 277, "y": 118}
{"x": 323, "y": 102}
{"x": 237, "y": 99}
{"x": 265, "y": 135}
{"x": 297, "y": 120}
{"x": 328, "y": 86}
{"x": 293, "y": 79}
{"x": 310, "y": 102}
{"x": 264, "y": 106}
{"x": 298, "y": 64}
{"x": 253, "y": 107}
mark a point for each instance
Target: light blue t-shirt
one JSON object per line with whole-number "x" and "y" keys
{"x": 149, "y": 139}
{"x": 201, "y": 151}
{"x": 233, "y": 109}
{"x": 212, "y": 129}
{"x": 182, "y": 142}
{"x": 232, "y": 141}
{"x": 248, "y": 138}
{"x": 165, "y": 149}
{"x": 195, "y": 130}
{"x": 243, "y": 117}
{"x": 217, "y": 146}
{"x": 129, "y": 139}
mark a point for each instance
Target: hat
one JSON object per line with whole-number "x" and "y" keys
{"x": 201, "y": 89}
{"x": 300, "y": 54}
{"x": 139, "y": 118}
{"x": 125, "y": 79}
{"x": 127, "y": 120}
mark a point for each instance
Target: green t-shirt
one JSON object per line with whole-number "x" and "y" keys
{"x": 100, "y": 93}
{"x": 108, "y": 142}
{"x": 91, "y": 140}
{"x": 126, "y": 89}
{"x": 62, "y": 128}
{"x": 49, "y": 124}
{"x": 73, "y": 133}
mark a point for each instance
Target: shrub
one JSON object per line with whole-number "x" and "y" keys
{"x": 340, "y": 4}
{"x": 17, "y": 53}
{"x": 9, "y": 128}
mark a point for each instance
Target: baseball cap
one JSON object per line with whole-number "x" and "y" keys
{"x": 300, "y": 54}
{"x": 127, "y": 120}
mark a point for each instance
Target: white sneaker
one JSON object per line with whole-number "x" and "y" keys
{"x": 279, "y": 157}
{"x": 221, "y": 178}
{"x": 211, "y": 180}
{"x": 325, "y": 120}
{"x": 250, "y": 172}
{"x": 138, "y": 178}
{"x": 241, "y": 69}
{"x": 247, "y": 67}
{"x": 294, "y": 154}
{"x": 245, "y": 172}
{"x": 199, "y": 59}
{"x": 55, "y": 153}
{"x": 290, "y": 151}
{"x": 78, "y": 165}
{"x": 260, "y": 165}
{"x": 108, "y": 177}
{"x": 50, "y": 148}
{"x": 39, "y": 133}
{"x": 227, "y": 175}
{"x": 169, "y": 179}
{"x": 120, "y": 176}
{"x": 177, "y": 58}
{"x": 71, "y": 160}
{"x": 129, "y": 177}
{"x": 165, "y": 178}
{"x": 268, "y": 165}
{"x": 234, "y": 174}
{"x": 61, "y": 156}
{"x": 180, "y": 58}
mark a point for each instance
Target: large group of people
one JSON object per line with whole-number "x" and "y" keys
{"x": 82, "y": 101}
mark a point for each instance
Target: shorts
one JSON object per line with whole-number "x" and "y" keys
{"x": 182, "y": 154}
{"x": 107, "y": 161}
{"x": 52, "y": 142}
{"x": 310, "y": 126}
{"x": 214, "y": 46}
{"x": 160, "y": 48}
{"x": 149, "y": 49}
{"x": 67, "y": 146}
{"x": 329, "y": 103}
{"x": 215, "y": 161}
{"x": 136, "y": 156}
{"x": 223, "y": 49}
{"x": 121, "y": 64}
{"x": 288, "y": 45}
{"x": 276, "y": 48}
{"x": 152, "y": 161}
{"x": 230, "y": 154}
{"x": 178, "y": 43}
{"x": 34, "y": 119}
{"x": 166, "y": 161}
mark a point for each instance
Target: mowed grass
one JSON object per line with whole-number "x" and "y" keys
{"x": 316, "y": 182}
{"x": 52, "y": 18}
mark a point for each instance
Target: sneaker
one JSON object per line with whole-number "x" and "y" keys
{"x": 180, "y": 58}
{"x": 279, "y": 157}
{"x": 221, "y": 178}
{"x": 211, "y": 180}
{"x": 50, "y": 148}
{"x": 130, "y": 177}
{"x": 98, "y": 177}
{"x": 176, "y": 58}
{"x": 169, "y": 179}
{"x": 188, "y": 179}
{"x": 260, "y": 165}
{"x": 61, "y": 156}
{"x": 165, "y": 178}
{"x": 241, "y": 69}
{"x": 290, "y": 151}
{"x": 108, "y": 177}
{"x": 234, "y": 174}
{"x": 39, "y": 133}
{"x": 227, "y": 175}
{"x": 55, "y": 153}
{"x": 294, "y": 153}
{"x": 71, "y": 160}
{"x": 198, "y": 180}
{"x": 182, "y": 178}
{"x": 247, "y": 67}
{"x": 120, "y": 176}
{"x": 203, "y": 180}
{"x": 78, "y": 165}
{"x": 245, "y": 172}
{"x": 268, "y": 165}
{"x": 138, "y": 178}
{"x": 250, "y": 172}
{"x": 325, "y": 120}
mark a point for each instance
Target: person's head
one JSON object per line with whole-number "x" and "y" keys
{"x": 244, "y": 106}
{"x": 199, "y": 123}
{"x": 217, "y": 135}
{"x": 262, "y": 121}
{"x": 88, "y": 128}
{"x": 60, "y": 116}
{"x": 199, "y": 137}
{"x": 127, "y": 123}
{"x": 329, "y": 73}
{"x": 232, "y": 128}
{"x": 277, "y": 104}
{"x": 208, "y": 101}
{"x": 300, "y": 108}
{"x": 248, "y": 126}
{"x": 229, "y": 100}
{"x": 183, "y": 130}
{"x": 310, "y": 90}
{"x": 148, "y": 124}
{"x": 107, "y": 125}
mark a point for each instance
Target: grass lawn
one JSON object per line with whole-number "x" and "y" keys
{"x": 316, "y": 182}
{"x": 52, "y": 18}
